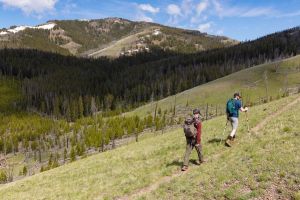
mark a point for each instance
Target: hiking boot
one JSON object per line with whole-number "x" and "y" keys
{"x": 199, "y": 162}
{"x": 233, "y": 138}
{"x": 184, "y": 168}
{"x": 229, "y": 141}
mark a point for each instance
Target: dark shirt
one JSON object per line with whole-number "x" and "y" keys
{"x": 237, "y": 107}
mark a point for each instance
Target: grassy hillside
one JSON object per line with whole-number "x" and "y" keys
{"x": 245, "y": 171}
{"x": 260, "y": 166}
{"x": 32, "y": 39}
{"x": 282, "y": 76}
{"x": 168, "y": 38}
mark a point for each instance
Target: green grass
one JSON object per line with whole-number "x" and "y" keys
{"x": 263, "y": 165}
{"x": 10, "y": 94}
{"x": 249, "y": 166}
{"x": 249, "y": 82}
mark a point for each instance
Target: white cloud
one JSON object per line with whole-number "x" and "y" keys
{"x": 173, "y": 9}
{"x": 69, "y": 8}
{"x": 31, "y": 6}
{"x": 217, "y": 6}
{"x": 148, "y": 8}
{"x": 206, "y": 27}
{"x": 144, "y": 18}
{"x": 198, "y": 19}
{"x": 175, "y": 12}
{"x": 225, "y": 12}
{"x": 228, "y": 11}
{"x": 291, "y": 14}
{"x": 187, "y": 7}
{"x": 258, "y": 12}
{"x": 202, "y": 6}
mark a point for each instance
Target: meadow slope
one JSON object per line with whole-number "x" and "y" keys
{"x": 255, "y": 167}
{"x": 281, "y": 76}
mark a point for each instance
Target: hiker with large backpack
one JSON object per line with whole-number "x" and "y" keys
{"x": 192, "y": 130}
{"x": 233, "y": 107}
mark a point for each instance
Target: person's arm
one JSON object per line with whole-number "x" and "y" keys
{"x": 244, "y": 109}
{"x": 241, "y": 108}
{"x": 198, "y": 136}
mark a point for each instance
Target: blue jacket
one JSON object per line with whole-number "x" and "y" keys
{"x": 238, "y": 105}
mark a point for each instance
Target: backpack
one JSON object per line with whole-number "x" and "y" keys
{"x": 188, "y": 128}
{"x": 230, "y": 107}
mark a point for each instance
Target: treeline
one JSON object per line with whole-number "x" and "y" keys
{"x": 54, "y": 142}
{"x": 72, "y": 87}
{"x": 91, "y": 132}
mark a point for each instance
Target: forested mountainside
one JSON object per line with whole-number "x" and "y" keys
{"x": 108, "y": 37}
{"x": 65, "y": 86}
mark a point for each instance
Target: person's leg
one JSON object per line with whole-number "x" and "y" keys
{"x": 199, "y": 152}
{"x": 234, "y": 123}
{"x": 188, "y": 150}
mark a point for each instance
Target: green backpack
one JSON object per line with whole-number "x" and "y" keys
{"x": 230, "y": 107}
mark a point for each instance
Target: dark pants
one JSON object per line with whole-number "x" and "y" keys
{"x": 190, "y": 144}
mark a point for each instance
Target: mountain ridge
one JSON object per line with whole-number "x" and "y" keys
{"x": 87, "y": 37}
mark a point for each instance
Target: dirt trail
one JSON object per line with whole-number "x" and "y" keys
{"x": 152, "y": 187}
{"x": 264, "y": 122}
{"x": 168, "y": 179}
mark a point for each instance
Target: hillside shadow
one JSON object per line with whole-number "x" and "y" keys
{"x": 180, "y": 163}
{"x": 174, "y": 163}
{"x": 216, "y": 140}
{"x": 193, "y": 161}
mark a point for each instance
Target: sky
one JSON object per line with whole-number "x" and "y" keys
{"x": 241, "y": 20}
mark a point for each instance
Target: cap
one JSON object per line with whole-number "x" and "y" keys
{"x": 196, "y": 111}
{"x": 237, "y": 94}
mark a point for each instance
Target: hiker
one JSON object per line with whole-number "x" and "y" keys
{"x": 192, "y": 130}
{"x": 233, "y": 107}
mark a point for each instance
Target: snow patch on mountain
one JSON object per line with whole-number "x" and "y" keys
{"x": 3, "y": 33}
{"x": 45, "y": 26}
{"x": 22, "y": 28}
{"x": 84, "y": 20}
{"x": 157, "y": 32}
{"x": 18, "y": 29}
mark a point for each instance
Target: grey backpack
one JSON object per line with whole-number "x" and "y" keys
{"x": 188, "y": 128}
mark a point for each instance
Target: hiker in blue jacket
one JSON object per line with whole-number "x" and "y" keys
{"x": 233, "y": 107}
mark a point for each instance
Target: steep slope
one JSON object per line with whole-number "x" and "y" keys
{"x": 107, "y": 37}
{"x": 279, "y": 78}
{"x": 129, "y": 169}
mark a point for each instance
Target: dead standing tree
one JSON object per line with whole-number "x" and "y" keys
{"x": 286, "y": 83}
{"x": 94, "y": 111}
{"x": 8, "y": 168}
{"x": 265, "y": 77}
{"x": 174, "y": 111}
